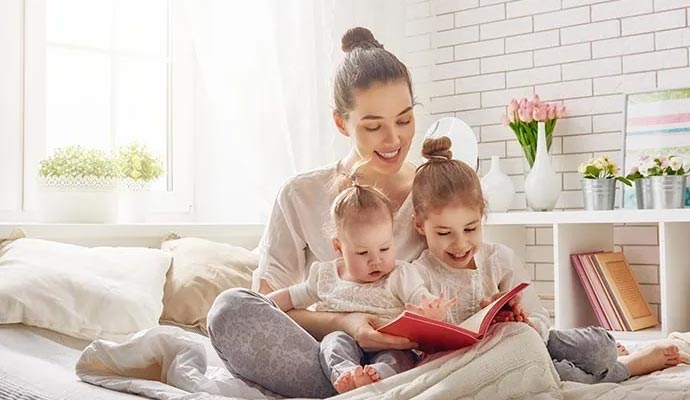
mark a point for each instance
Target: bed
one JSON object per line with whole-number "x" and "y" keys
{"x": 511, "y": 363}
{"x": 40, "y": 364}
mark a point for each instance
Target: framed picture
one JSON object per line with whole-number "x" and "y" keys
{"x": 656, "y": 122}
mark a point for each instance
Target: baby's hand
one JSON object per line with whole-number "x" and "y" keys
{"x": 434, "y": 308}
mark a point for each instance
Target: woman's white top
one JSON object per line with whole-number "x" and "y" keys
{"x": 385, "y": 298}
{"x": 498, "y": 269}
{"x": 299, "y": 230}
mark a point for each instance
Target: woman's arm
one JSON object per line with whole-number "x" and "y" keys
{"x": 282, "y": 299}
{"x": 359, "y": 326}
{"x": 282, "y": 249}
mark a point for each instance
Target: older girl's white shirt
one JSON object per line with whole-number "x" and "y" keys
{"x": 299, "y": 230}
{"x": 498, "y": 269}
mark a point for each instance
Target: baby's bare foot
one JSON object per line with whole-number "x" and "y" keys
{"x": 364, "y": 375}
{"x": 652, "y": 358}
{"x": 373, "y": 374}
{"x": 344, "y": 383}
{"x": 622, "y": 351}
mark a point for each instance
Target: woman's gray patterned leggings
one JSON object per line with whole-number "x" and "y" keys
{"x": 261, "y": 344}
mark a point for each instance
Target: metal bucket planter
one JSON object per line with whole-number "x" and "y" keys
{"x": 668, "y": 191}
{"x": 598, "y": 194}
{"x": 643, "y": 193}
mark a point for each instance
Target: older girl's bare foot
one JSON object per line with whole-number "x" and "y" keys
{"x": 652, "y": 358}
{"x": 344, "y": 383}
{"x": 364, "y": 375}
{"x": 622, "y": 351}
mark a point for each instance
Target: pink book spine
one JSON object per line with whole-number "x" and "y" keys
{"x": 600, "y": 292}
{"x": 596, "y": 307}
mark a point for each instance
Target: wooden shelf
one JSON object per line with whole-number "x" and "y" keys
{"x": 655, "y": 333}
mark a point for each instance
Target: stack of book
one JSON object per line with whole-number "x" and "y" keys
{"x": 612, "y": 290}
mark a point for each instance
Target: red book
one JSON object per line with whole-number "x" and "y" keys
{"x": 433, "y": 336}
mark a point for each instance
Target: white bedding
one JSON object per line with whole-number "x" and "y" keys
{"x": 40, "y": 364}
{"x": 510, "y": 363}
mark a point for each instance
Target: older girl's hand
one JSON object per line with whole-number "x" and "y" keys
{"x": 512, "y": 311}
{"x": 362, "y": 328}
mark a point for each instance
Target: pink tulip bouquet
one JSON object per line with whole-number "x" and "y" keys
{"x": 523, "y": 118}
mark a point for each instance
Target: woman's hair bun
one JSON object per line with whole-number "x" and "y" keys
{"x": 359, "y": 37}
{"x": 436, "y": 148}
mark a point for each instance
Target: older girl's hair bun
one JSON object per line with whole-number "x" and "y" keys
{"x": 437, "y": 149}
{"x": 359, "y": 37}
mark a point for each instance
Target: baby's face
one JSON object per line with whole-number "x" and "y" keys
{"x": 453, "y": 234}
{"x": 367, "y": 250}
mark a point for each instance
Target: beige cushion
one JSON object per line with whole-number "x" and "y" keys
{"x": 17, "y": 233}
{"x": 202, "y": 269}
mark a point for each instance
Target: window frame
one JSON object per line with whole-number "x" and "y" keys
{"x": 174, "y": 204}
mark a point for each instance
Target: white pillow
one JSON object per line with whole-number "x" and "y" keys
{"x": 89, "y": 293}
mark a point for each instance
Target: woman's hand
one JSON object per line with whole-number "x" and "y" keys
{"x": 361, "y": 328}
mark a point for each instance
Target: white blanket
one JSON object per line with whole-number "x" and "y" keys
{"x": 167, "y": 363}
{"x": 671, "y": 383}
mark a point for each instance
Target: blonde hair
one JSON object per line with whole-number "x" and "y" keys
{"x": 442, "y": 181}
{"x": 357, "y": 202}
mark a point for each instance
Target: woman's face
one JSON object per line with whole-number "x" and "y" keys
{"x": 381, "y": 125}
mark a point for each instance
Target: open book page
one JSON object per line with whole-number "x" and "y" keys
{"x": 480, "y": 321}
{"x": 433, "y": 336}
{"x": 474, "y": 323}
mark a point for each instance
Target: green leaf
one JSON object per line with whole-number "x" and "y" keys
{"x": 624, "y": 180}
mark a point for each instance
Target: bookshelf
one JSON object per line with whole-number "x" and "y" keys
{"x": 581, "y": 231}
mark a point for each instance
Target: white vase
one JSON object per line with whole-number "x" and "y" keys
{"x": 498, "y": 188}
{"x": 542, "y": 185}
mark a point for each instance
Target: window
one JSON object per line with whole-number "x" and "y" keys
{"x": 107, "y": 73}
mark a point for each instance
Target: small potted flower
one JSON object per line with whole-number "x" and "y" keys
{"x": 660, "y": 181}
{"x": 598, "y": 178}
{"x": 139, "y": 168}
{"x": 77, "y": 184}
{"x": 643, "y": 191}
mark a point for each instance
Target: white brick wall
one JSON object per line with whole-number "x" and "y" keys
{"x": 470, "y": 57}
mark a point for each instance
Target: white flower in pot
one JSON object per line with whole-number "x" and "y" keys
{"x": 664, "y": 178}
{"x": 598, "y": 178}
{"x": 139, "y": 168}
{"x": 78, "y": 185}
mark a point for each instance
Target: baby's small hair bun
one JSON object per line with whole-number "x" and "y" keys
{"x": 359, "y": 37}
{"x": 437, "y": 149}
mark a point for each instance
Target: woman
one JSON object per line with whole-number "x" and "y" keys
{"x": 374, "y": 108}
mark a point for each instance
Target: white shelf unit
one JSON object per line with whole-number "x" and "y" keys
{"x": 582, "y": 231}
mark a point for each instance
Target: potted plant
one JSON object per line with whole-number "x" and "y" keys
{"x": 524, "y": 117}
{"x": 659, "y": 181}
{"x": 533, "y": 122}
{"x": 598, "y": 178}
{"x": 139, "y": 168}
{"x": 78, "y": 185}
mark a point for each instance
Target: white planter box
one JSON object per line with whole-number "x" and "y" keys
{"x": 134, "y": 201}
{"x": 77, "y": 200}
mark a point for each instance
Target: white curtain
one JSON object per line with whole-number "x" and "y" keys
{"x": 263, "y": 97}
